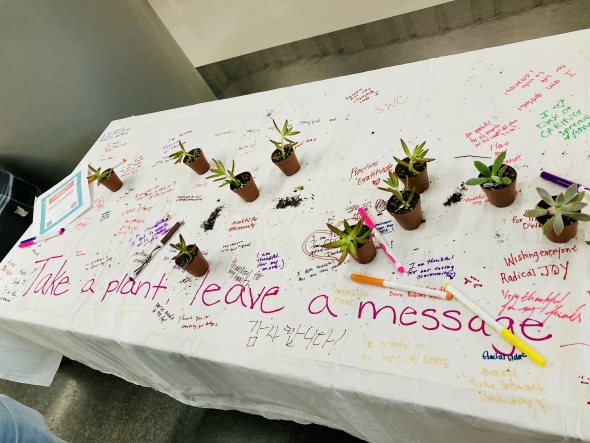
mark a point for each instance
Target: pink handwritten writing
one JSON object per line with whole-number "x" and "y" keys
{"x": 326, "y": 306}
{"x": 549, "y": 306}
{"x": 126, "y": 286}
{"x": 235, "y": 293}
{"x": 50, "y": 282}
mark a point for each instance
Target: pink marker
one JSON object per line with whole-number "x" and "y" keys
{"x": 35, "y": 240}
{"x": 400, "y": 268}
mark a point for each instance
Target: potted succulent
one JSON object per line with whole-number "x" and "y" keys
{"x": 356, "y": 241}
{"x": 414, "y": 167}
{"x": 404, "y": 205}
{"x": 194, "y": 159}
{"x": 497, "y": 181}
{"x": 190, "y": 258}
{"x": 242, "y": 184}
{"x": 284, "y": 154}
{"x": 560, "y": 214}
{"x": 108, "y": 178}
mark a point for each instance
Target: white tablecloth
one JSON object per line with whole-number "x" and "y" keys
{"x": 275, "y": 328}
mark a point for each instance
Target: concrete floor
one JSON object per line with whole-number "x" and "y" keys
{"x": 83, "y": 405}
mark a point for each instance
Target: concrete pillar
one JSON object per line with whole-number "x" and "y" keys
{"x": 69, "y": 67}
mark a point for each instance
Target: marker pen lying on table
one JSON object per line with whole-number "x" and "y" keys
{"x": 504, "y": 332}
{"x": 160, "y": 245}
{"x": 40, "y": 237}
{"x": 395, "y": 285}
{"x": 90, "y": 180}
{"x": 381, "y": 241}
{"x": 34, "y": 240}
{"x": 562, "y": 181}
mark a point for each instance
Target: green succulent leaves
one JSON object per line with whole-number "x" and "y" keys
{"x": 184, "y": 250}
{"x": 493, "y": 177}
{"x": 393, "y": 186}
{"x": 567, "y": 204}
{"x": 228, "y": 177}
{"x": 349, "y": 239}
{"x": 416, "y": 156}
{"x": 183, "y": 155}
{"x": 284, "y": 149}
{"x": 99, "y": 176}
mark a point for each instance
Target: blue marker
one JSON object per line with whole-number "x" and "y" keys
{"x": 40, "y": 237}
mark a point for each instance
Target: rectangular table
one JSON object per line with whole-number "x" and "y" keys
{"x": 275, "y": 328}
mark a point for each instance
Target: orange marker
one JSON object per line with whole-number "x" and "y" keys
{"x": 395, "y": 285}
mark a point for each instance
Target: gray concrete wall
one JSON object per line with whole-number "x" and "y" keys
{"x": 427, "y": 22}
{"x": 69, "y": 67}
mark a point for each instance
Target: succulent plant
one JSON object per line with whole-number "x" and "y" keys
{"x": 393, "y": 186}
{"x": 228, "y": 177}
{"x": 565, "y": 205}
{"x": 493, "y": 177}
{"x": 184, "y": 156}
{"x": 100, "y": 176}
{"x": 187, "y": 252}
{"x": 284, "y": 149}
{"x": 416, "y": 156}
{"x": 350, "y": 238}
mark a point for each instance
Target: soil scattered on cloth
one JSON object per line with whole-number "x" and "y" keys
{"x": 289, "y": 201}
{"x": 457, "y": 196}
{"x": 208, "y": 224}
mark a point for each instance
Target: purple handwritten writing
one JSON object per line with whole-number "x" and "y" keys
{"x": 149, "y": 235}
{"x": 268, "y": 261}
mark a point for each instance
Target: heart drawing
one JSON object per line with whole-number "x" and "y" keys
{"x": 376, "y": 182}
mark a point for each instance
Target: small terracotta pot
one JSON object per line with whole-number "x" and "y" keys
{"x": 568, "y": 232}
{"x": 200, "y": 165}
{"x": 198, "y": 267}
{"x": 410, "y": 221}
{"x": 366, "y": 252}
{"x": 501, "y": 198}
{"x": 249, "y": 192}
{"x": 113, "y": 183}
{"x": 289, "y": 166}
{"x": 420, "y": 182}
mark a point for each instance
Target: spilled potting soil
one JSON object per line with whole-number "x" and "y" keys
{"x": 457, "y": 196}
{"x": 289, "y": 201}
{"x": 208, "y": 224}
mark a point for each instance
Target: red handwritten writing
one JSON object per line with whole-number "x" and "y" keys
{"x": 544, "y": 271}
{"x": 155, "y": 191}
{"x": 369, "y": 176}
{"x": 537, "y": 254}
{"x": 523, "y": 82}
{"x": 488, "y": 131}
{"x": 362, "y": 95}
{"x": 131, "y": 167}
{"x": 83, "y": 222}
{"x": 113, "y": 145}
{"x": 99, "y": 203}
{"x": 549, "y": 306}
{"x": 530, "y": 101}
{"x": 393, "y": 103}
{"x": 245, "y": 223}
